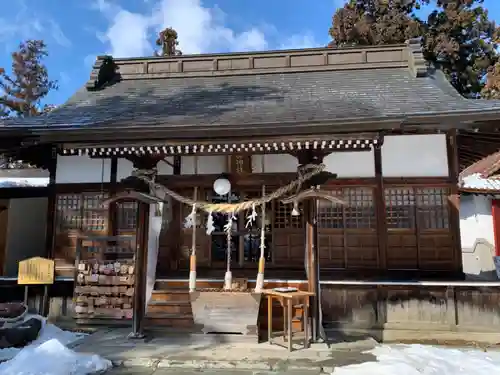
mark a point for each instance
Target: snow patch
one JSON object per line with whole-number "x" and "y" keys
{"x": 427, "y": 360}
{"x": 49, "y": 355}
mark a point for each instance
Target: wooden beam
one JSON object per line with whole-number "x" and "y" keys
{"x": 310, "y": 207}
{"x": 51, "y": 203}
{"x": 113, "y": 188}
{"x": 141, "y": 257}
{"x": 380, "y": 210}
{"x": 454, "y": 200}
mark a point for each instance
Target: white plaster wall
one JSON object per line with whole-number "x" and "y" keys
{"x": 344, "y": 164}
{"x": 210, "y": 164}
{"x": 26, "y": 230}
{"x": 477, "y": 237}
{"x": 476, "y": 220}
{"x": 275, "y": 163}
{"x": 82, "y": 169}
{"x": 415, "y": 156}
{"x": 351, "y": 164}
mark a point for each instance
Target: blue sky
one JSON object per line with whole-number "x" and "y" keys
{"x": 77, "y": 31}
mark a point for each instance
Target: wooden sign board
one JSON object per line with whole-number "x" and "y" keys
{"x": 240, "y": 164}
{"x": 36, "y": 271}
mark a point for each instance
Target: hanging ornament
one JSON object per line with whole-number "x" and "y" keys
{"x": 210, "y": 223}
{"x": 295, "y": 211}
{"x": 229, "y": 225}
{"x": 190, "y": 220}
{"x": 251, "y": 217}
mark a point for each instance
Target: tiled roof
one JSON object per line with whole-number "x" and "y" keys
{"x": 477, "y": 183}
{"x": 220, "y": 90}
{"x": 482, "y": 176}
{"x": 267, "y": 98}
{"x": 486, "y": 167}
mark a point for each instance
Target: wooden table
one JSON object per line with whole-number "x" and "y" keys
{"x": 287, "y": 300}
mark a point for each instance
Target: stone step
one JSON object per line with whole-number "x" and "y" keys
{"x": 157, "y": 320}
{"x": 170, "y": 307}
{"x": 170, "y": 295}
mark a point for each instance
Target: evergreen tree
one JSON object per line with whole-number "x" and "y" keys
{"x": 22, "y": 90}
{"x": 458, "y": 36}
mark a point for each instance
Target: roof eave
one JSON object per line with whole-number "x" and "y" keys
{"x": 478, "y": 191}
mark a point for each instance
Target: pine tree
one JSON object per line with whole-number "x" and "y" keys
{"x": 22, "y": 91}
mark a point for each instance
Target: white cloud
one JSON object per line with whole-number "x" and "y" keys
{"x": 29, "y": 23}
{"x": 201, "y": 29}
{"x": 298, "y": 41}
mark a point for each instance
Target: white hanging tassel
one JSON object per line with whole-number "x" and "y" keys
{"x": 229, "y": 225}
{"x": 190, "y": 220}
{"x": 251, "y": 217}
{"x": 210, "y": 224}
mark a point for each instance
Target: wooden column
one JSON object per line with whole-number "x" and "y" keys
{"x": 141, "y": 257}
{"x": 113, "y": 189}
{"x": 454, "y": 201}
{"x": 51, "y": 165}
{"x": 380, "y": 210}
{"x": 311, "y": 244}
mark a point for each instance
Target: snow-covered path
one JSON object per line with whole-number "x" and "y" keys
{"x": 427, "y": 360}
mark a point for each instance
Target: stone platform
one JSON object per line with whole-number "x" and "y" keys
{"x": 203, "y": 352}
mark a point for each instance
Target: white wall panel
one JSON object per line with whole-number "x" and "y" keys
{"x": 415, "y": 156}
{"x": 82, "y": 169}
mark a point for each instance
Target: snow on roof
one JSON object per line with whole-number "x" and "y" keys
{"x": 23, "y": 182}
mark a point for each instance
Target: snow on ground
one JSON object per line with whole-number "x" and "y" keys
{"x": 425, "y": 360}
{"x": 49, "y": 355}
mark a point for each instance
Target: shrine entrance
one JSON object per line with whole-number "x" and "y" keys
{"x": 245, "y": 236}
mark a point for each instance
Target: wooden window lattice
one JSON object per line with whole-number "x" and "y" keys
{"x": 81, "y": 212}
{"x": 283, "y": 218}
{"x": 433, "y": 208}
{"x": 126, "y": 216}
{"x": 407, "y": 207}
{"x": 400, "y": 208}
{"x": 358, "y": 212}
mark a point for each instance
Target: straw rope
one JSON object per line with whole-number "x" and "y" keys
{"x": 232, "y": 208}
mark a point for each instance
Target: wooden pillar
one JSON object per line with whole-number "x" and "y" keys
{"x": 141, "y": 256}
{"x": 141, "y": 260}
{"x": 454, "y": 201}
{"x": 311, "y": 244}
{"x": 51, "y": 165}
{"x": 113, "y": 189}
{"x": 380, "y": 210}
{"x": 175, "y": 226}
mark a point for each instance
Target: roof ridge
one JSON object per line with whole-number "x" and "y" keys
{"x": 407, "y": 55}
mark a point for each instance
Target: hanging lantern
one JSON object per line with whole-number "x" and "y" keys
{"x": 222, "y": 186}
